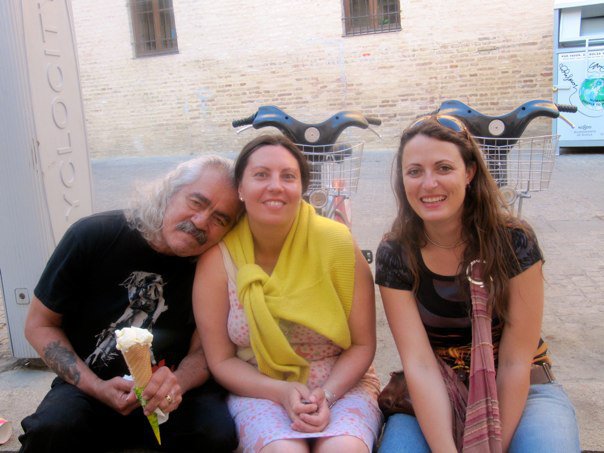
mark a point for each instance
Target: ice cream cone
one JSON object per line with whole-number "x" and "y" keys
{"x": 138, "y": 359}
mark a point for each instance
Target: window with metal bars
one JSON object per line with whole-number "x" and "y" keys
{"x": 153, "y": 27}
{"x": 362, "y": 17}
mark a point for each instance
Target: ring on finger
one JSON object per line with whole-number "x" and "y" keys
{"x": 169, "y": 399}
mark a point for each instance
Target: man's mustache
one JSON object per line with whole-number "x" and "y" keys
{"x": 188, "y": 227}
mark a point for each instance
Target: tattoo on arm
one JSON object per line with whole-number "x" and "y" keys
{"x": 62, "y": 361}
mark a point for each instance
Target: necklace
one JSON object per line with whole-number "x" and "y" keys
{"x": 442, "y": 246}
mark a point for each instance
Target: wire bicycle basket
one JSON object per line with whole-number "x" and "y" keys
{"x": 334, "y": 177}
{"x": 520, "y": 165}
{"x": 334, "y": 168}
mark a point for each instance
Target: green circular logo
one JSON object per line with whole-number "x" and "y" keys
{"x": 591, "y": 93}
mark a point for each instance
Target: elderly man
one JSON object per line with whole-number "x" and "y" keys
{"x": 132, "y": 268}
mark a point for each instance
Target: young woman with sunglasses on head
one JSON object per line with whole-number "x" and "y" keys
{"x": 450, "y": 215}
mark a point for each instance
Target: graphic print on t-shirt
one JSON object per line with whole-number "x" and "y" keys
{"x": 145, "y": 304}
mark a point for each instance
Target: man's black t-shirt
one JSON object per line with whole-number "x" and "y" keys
{"x": 104, "y": 276}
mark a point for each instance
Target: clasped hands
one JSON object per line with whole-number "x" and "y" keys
{"x": 308, "y": 410}
{"x": 162, "y": 391}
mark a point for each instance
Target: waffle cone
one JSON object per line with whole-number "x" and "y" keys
{"x": 138, "y": 359}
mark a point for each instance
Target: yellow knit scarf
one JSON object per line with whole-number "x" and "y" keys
{"x": 311, "y": 285}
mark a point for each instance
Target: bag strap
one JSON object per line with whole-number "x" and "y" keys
{"x": 482, "y": 433}
{"x": 244, "y": 353}
{"x": 229, "y": 265}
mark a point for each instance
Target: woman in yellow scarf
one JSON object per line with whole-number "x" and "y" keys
{"x": 285, "y": 309}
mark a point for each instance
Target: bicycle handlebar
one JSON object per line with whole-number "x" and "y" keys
{"x": 509, "y": 126}
{"x": 244, "y": 121}
{"x": 567, "y": 108}
{"x": 325, "y": 133}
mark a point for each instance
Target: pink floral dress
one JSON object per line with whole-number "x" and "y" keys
{"x": 260, "y": 422}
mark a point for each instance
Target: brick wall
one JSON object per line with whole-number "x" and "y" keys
{"x": 236, "y": 56}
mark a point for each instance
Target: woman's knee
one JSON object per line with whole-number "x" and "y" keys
{"x": 288, "y": 445}
{"x": 338, "y": 444}
{"x": 548, "y": 422}
{"x": 402, "y": 433}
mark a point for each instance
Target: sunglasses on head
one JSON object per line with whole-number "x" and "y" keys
{"x": 448, "y": 121}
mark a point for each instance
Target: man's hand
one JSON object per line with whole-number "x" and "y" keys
{"x": 117, "y": 393}
{"x": 44, "y": 332}
{"x": 162, "y": 391}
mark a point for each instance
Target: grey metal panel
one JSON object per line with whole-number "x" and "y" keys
{"x": 43, "y": 153}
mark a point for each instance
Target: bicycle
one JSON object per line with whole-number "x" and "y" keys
{"x": 519, "y": 165}
{"x": 334, "y": 167}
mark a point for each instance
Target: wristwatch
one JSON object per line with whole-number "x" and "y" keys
{"x": 330, "y": 397}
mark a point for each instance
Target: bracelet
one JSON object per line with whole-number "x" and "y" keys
{"x": 330, "y": 397}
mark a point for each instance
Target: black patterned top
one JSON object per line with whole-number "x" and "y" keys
{"x": 444, "y": 302}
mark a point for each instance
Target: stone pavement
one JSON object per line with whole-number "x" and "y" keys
{"x": 568, "y": 219}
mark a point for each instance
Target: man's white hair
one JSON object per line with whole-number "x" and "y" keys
{"x": 146, "y": 212}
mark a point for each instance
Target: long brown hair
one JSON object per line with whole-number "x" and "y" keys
{"x": 485, "y": 221}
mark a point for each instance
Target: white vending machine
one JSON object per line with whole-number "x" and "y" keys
{"x": 579, "y": 71}
{"x": 45, "y": 182}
